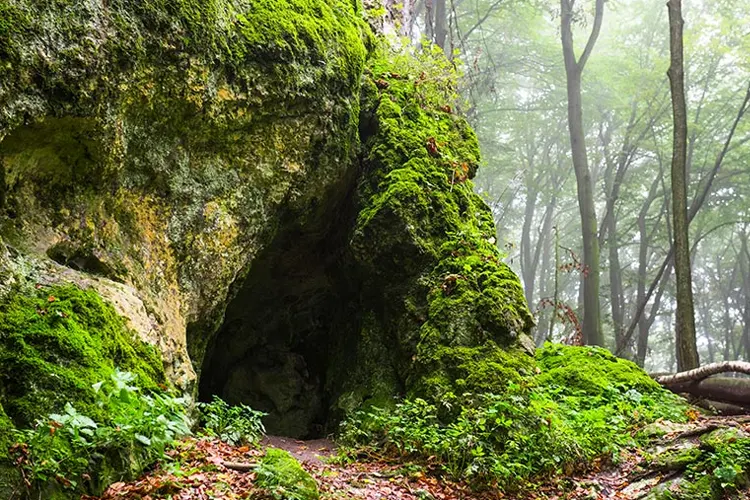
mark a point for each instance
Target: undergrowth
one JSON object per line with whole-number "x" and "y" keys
{"x": 233, "y": 425}
{"x": 555, "y": 421}
{"x": 80, "y": 452}
{"x": 75, "y": 451}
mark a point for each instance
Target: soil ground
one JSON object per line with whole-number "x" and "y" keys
{"x": 207, "y": 470}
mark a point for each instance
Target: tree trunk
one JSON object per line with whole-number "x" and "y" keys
{"x": 687, "y": 350}
{"x": 441, "y": 22}
{"x": 644, "y": 242}
{"x": 695, "y": 206}
{"x": 592, "y": 331}
{"x": 745, "y": 269}
{"x": 528, "y": 262}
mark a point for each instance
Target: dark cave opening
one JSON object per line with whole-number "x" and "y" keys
{"x": 283, "y": 330}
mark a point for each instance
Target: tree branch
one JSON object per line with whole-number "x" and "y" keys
{"x": 598, "y": 17}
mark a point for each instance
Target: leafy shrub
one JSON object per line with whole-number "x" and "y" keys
{"x": 234, "y": 425}
{"x": 71, "y": 447}
{"x": 499, "y": 438}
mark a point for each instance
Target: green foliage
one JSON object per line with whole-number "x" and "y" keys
{"x": 235, "y": 425}
{"x": 56, "y": 343}
{"x": 284, "y": 478}
{"x": 725, "y": 461}
{"x": 9, "y": 477}
{"x": 75, "y": 450}
{"x": 542, "y": 425}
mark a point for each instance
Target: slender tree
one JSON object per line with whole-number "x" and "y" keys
{"x": 592, "y": 330}
{"x": 685, "y": 344}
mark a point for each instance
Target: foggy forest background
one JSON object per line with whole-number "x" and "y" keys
{"x": 513, "y": 82}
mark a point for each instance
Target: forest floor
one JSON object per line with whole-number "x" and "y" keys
{"x": 204, "y": 469}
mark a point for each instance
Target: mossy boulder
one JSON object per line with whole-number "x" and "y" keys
{"x": 284, "y": 477}
{"x": 591, "y": 371}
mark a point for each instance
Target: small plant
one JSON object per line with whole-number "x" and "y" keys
{"x": 66, "y": 447}
{"x": 234, "y": 425}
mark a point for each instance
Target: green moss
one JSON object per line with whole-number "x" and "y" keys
{"x": 284, "y": 477}
{"x": 591, "y": 371}
{"x": 9, "y": 476}
{"x": 308, "y": 46}
{"x": 59, "y": 341}
{"x": 487, "y": 368}
{"x": 702, "y": 488}
{"x": 422, "y": 238}
{"x": 719, "y": 439}
{"x": 677, "y": 459}
{"x": 13, "y": 22}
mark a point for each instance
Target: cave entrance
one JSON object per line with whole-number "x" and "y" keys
{"x": 276, "y": 345}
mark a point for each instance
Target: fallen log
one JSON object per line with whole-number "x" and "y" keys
{"x": 723, "y": 389}
{"x": 734, "y": 391}
{"x": 704, "y": 372}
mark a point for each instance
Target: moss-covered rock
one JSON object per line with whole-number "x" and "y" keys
{"x": 56, "y": 343}
{"x": 713, "y": 465}
{"x": 677, "y": 458}
{"x": 283, "y": 476}
{"x": 591, "y": 371}
{"x": 442, "y": 302}
{"x": 158, "y": 143}
{"x": 722, "y": 437}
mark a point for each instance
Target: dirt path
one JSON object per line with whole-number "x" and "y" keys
{"x": 204, "y": 475}
{"x": 365, "y": 480}
{"x": 315, "y": 451}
